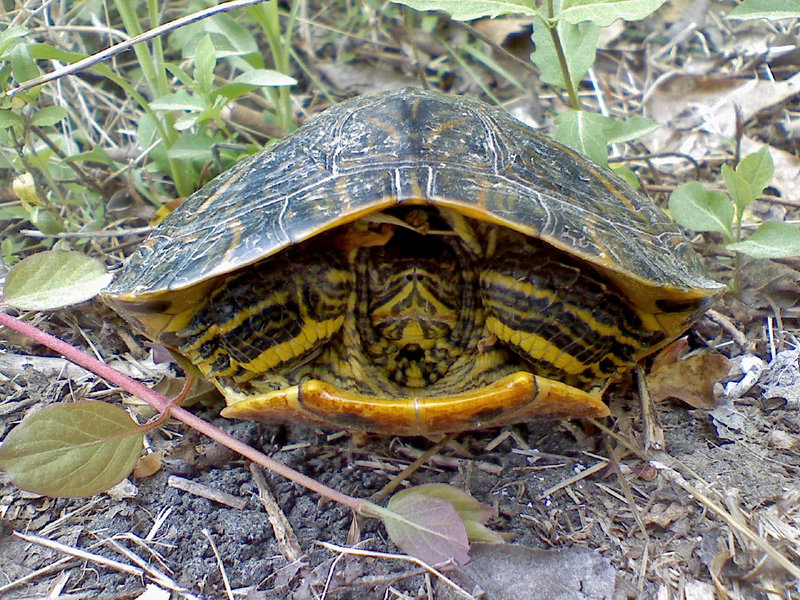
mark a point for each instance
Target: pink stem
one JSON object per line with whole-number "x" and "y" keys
{"x": 160, "y": 403}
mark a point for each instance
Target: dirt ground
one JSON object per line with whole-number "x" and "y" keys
{"x": 632, "y": 529}
{"x": 714, "y": 512}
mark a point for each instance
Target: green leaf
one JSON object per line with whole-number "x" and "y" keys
{"x": 186, "y": 121}
{"x": 240, "y": 40}
{"x": 10, "y": 119}
{"x": 585, "y": 132}
{"x": 7, "y": 37}
{"x": 49, "y": 115}
{"x": 72, "y": 450}
{"x": 467, "y": 10}
{"x": 147, "y": 133}
{"x": 192, "y": 147}
{"x": 230, "y": 38}
{"x": 579, "y": 43}
{"x": 11, "y": 211}
{"x": 25, "y": 189}
{"x": 466, "y": 506}
{"x": 179, "y": 74}
{"x": 55, "y": 279}
{"x": 738, "y": 189}
{"x": 250, "y": 80}
{"x": 699, "y": 209}
{"x": 628, "y": 175}
{"x": 774, "y": 239}
{"x": 426, "y": 527}
{"x": 46, "y": 52}
{"x": 180, "y": 100}
{"x": 45, "y": 221}
{"x": 8, "y": 251}
{"x": 22, "y": 64}
{"x": 757, "y": 169}
{"x": 472, "y": 512}
{"x": 205, "y": 60}
{"x": 604, "y": 12}
{"x": 766, "y": 9}
{"x": 619, "y": 132}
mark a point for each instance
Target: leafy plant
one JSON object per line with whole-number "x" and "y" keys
{"x": 766, "y": 9}
{"x": 700, "y": 209}
{"x": 177, "y": 111}
{"x": 565, "y": 35}
{"x": 183, "y": 120}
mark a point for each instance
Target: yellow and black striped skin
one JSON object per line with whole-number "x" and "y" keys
{"x": 418, "y": 317}
{"x": 301, "y": 328}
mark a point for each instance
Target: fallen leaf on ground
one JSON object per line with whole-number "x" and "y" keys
{"x": 691, "y": 380}
{"x": 511, "y": 572}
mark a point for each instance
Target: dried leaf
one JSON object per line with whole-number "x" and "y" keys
{"x": 766, "y": 283}
{"x": 691, "y": 380}
{"x": 663, "y": 515}
{"x": 512, "y": 572}
{"x": 671, "y": 353}
{"x": 148, "y": 465}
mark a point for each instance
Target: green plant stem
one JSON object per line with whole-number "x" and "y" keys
{"x": 552, "y": 26}
{"x": 737, "y": 256}
{"x": 737, "y": 273}
{"x": 161, "y": 82}
{"x": 268, "y": 17}
{"x": 162, "y": 404}
{"x": 154, "y": 72}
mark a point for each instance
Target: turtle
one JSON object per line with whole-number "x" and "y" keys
{"x": 414, "y": 263}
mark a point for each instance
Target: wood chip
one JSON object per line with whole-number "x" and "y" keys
{"x": 451, "y": 463}
{"x": 284, "y": 534}
{"x": 575, "y": 478}
{"x": 204, "y": 491}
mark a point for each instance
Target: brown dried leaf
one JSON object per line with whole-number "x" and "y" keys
{"x": 499, "y": 30}
{"x": 783, "y": 440}
{"x": 663, "y": 515}
{"x": 671, "y": 353}
{"x": 148, "y": 465}
{"x": 512, "y": 572}
{"x": 766, "y": 283}
{"x": 691, "y": 380}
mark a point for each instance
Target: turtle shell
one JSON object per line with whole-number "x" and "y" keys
{"x": 413, "y": 146}
{"x": 421, "y": 148}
